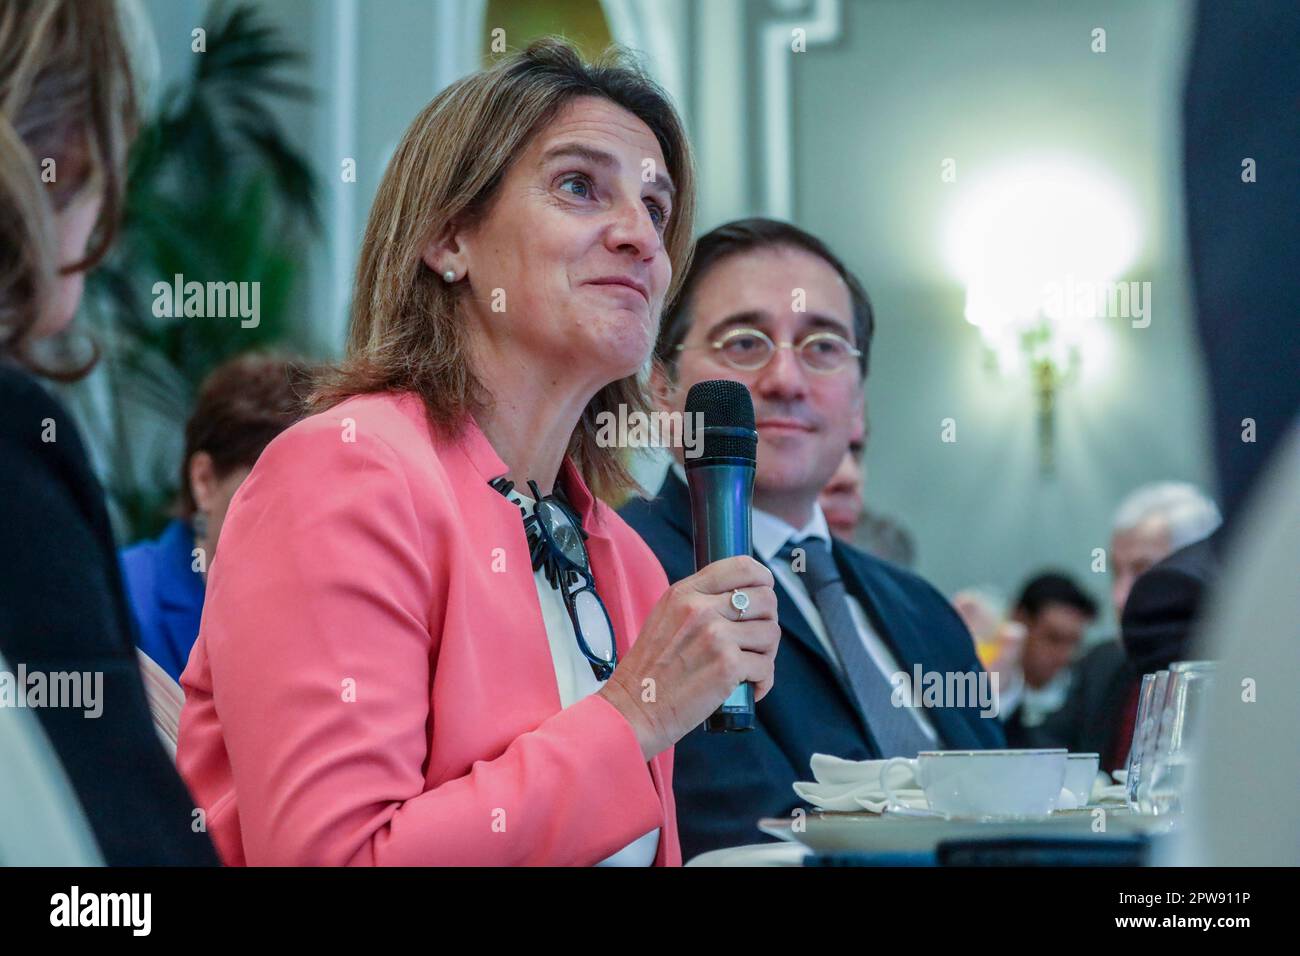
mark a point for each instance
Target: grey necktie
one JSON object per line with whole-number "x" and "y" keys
{"x": 895, "y": 730}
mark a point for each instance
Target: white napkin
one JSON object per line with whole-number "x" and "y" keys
{"x": 1102, "y": 792}
{"x": 1115, "y": 793}
{"x": 854, "y": 785}
{"x": 165, "y": 700}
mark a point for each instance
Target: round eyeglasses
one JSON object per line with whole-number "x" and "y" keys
{"x": 748, "y": 350}
{"x": 559, "y": 546}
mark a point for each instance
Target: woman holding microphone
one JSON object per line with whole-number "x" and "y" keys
{"x": 426, "y": 638}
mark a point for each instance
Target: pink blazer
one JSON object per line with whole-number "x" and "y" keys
{"x": 372, "y": 681}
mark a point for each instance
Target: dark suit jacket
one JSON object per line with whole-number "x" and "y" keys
{"x": 1164, "y": 604}
{"x": 62, "y": 609}
{"x": 725, "y": 782}
{"x": 1093, "y": 713}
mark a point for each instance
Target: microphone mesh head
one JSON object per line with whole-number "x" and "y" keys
{"x": 728, "y": 418}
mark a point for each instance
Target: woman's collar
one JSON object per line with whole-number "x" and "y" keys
{"x": 480, "y": 452}
{"x": 489, "y": 465}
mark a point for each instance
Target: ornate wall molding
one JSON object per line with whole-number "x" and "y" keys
{"x": 655, "y": 28}
{"x": 822, "y": 22}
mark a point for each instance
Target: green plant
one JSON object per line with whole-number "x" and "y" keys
{"x": 216, "y": 193}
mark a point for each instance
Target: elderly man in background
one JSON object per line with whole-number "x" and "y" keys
{"x": 1151, "y": 523}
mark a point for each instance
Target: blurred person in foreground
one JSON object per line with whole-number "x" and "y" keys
{"x": 66, "y": 96}
{"x": 426, "y": 639}
{"x": 1244, "y": 243}
{"x": 855, "y": 630}
{"x": 242, "y": 404}
{"x": 1098, "y": 715}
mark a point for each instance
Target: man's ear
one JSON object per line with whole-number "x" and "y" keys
{"x": 662, "y": 388}
{"x": 203, "y": 479}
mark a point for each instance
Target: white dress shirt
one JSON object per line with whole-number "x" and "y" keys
{"x": 575, "y": 680}
{"x": 770, "y": 534}
{"x": 1036, "y": 703}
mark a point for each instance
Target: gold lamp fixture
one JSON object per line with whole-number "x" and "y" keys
{"x": 1032, "y": 243}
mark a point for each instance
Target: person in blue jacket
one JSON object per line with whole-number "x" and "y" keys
{"x": 241, "y": 407}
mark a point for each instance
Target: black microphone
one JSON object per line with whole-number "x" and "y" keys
{"x": 721, "y": 480}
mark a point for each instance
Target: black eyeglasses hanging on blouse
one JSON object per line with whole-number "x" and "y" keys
{"x": 556, "y": 542}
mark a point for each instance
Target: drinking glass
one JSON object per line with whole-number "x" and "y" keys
{"x": 1151, "y": 700}
{"x": 1186, "y": 702}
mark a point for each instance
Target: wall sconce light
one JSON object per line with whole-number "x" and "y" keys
{"x": 1032, "y": 244}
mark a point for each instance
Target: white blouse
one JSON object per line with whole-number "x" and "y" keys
{"x": 576, "y": 680}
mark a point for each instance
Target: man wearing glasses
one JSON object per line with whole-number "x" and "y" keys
{"x": 768, "y": 305}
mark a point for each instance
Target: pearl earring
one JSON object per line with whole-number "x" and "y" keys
{"x": 450, "y": 275}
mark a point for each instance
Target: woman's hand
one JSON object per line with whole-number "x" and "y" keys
{"x": 692, "y": 652}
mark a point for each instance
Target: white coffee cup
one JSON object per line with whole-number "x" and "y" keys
{"x": 1080, "y": 774}
{"x": 984, "y": 783}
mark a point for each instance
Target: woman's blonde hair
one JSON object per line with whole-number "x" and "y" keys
{"x": 407, "y": 333}
{"x": 66, "y": 96}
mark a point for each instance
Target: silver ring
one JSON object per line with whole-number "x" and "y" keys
{"x": 740, "y": 601}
